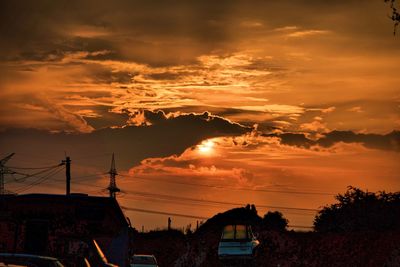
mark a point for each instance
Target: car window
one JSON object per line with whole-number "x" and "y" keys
{"x": 143, "y": 260}
{"x": 229, "y": 232}
{"x": 241, "y": 232}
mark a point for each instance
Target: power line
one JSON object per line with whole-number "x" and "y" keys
{"x": 167, "y": 197}
{"x": 185, "y": 203}
{"x": 190, "y": 202}
{"x": 188, "y": 215}
{"x": 32, "y": 168}
{"x": 178, "y": 199}
{"x": 186, "y": 199}
{"x": 214, "y": 186}
{"x": 35, "y": 174}
{"x": 233, "y": 188}
{"x": 84, "y": 177}
{"x": 193, "y": 184}
{"x": 88, "y": 177}
{"x": 164, "y": 213}
{"x": 39, "y": 180}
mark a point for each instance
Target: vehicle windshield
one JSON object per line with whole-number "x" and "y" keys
{"x": 229, "y": 232}
{"x": 241, "y": 232}
{"x": 144, "y": 260}
{"x": 236, "y": 232}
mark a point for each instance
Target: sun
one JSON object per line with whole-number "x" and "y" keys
{"x": 206, "y": 147}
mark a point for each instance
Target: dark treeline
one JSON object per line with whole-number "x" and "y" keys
{"x": 342, "y": 235}
{"x": 358, "y": 210}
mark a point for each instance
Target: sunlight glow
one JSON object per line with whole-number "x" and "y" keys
{"x": 206, "y": 147}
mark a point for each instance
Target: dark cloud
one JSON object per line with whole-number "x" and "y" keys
{"x": 353, "y": 114}
{"x": 90, "y": 94}
{"x": 165, "y": 76}
{"x": 265, "y": 122}
{"x": 143, "y": 31}
{"x": 390, "y": 141}
{"x": 103, "y": 116}
{"x": 170, "y": 162}
{"x": 101, "y": 74}
{"x": 131, "y": 144}
{"x": 34, "y": 30}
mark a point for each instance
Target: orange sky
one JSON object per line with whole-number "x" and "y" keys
{"x": 277, "y": 103}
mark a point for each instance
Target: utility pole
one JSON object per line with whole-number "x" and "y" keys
{"x": 67, "y": 163}
{"x": 112, "y": 188}
{"x": 169, "y": 223}
{"x": 4, "y": 170}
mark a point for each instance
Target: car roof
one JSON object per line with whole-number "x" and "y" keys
{"x": 21, "y": 255}
{"x": 143, "y": 255}
{"x": 11, "y": 265}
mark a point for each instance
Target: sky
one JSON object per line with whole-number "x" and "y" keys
{"x": 207, "y": 105}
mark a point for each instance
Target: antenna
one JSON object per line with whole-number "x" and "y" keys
{"x": 112, "y": 188}
{"x": 4, "y": 170}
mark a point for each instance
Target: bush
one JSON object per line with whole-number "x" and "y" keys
{"x": 360, "y": 211}
{"x": 274, "y": 221}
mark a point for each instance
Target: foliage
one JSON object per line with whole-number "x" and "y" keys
{"x": 244, "y": 215}
{"x": 360, "y": 211}
{"x": 274, "y": 221}
{"x": 395, "y": 16}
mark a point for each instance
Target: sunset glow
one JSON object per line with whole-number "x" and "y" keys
{"x": 206, "y": 147}
{"x": 272, "y": 103}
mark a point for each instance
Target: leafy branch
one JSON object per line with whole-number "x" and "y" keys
{"x": 395, "y": 16}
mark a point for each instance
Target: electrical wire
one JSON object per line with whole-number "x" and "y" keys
{"x": 39, "y": 180}
{"x": 233, "y": 188}
{"x": 25, "y": 176}
{"x": 201, "y": 204}
{"x": 188, "y": 215}
{"x": 169, "y": 197}
{"x": 194, "y": 200}
{"x": 161, "y": 197}
{"x": 164, "y": 213}
{"x": 32, "y": 168}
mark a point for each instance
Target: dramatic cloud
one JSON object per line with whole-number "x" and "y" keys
{"x": 268, "y": 171}
{"x": 229, "y": 54}
{"x": 257, "y": 94}
{"x": 389, "y": 141}
{"x": 165, "y": 136}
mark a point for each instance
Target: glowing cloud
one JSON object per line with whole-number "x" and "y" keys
{"x": 206, "y": 147}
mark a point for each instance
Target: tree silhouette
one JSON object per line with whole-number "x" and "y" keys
{"x": 395, "y": 16}
{"x": 360, "y": 211}
{"x": 274, "y": 221}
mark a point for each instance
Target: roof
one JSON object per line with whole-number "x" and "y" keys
{"x": 74, "y": 201}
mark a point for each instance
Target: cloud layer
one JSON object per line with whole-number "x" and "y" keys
{"x": 389, "y": 141}
{"x": 277, "y": 95}
{"x": 158, "y": 136}
{"x": 78, "y": 65}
